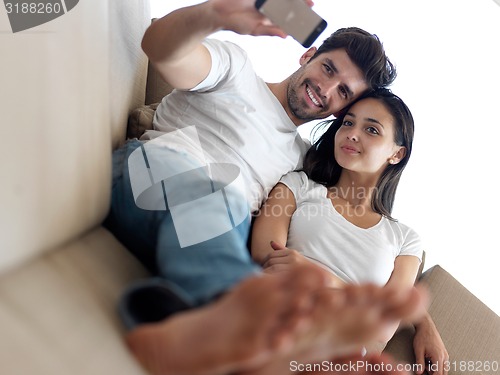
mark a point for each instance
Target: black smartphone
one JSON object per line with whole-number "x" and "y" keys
{"x": 295, "y": 18}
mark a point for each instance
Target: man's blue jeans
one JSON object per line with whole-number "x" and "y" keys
{"x": 198, "y": 272}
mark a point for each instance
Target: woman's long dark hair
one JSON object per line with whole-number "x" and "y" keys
{"x": 320, "y": 164}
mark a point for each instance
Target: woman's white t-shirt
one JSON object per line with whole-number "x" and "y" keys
{"x": 355, "y": 255}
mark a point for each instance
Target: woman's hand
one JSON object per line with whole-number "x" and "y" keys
{"x": 282, "y": 259}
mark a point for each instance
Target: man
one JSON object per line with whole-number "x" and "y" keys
{"x": 181, "y": 201}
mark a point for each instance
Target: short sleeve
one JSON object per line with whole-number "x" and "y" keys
{"x": 412, "y": 244}
{"x": 226, "y": 56}
{"x": 297, "y": 182}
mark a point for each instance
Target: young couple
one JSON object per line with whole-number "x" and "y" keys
{"x": 183, "y": 195}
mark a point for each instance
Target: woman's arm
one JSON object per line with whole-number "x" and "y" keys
{"x": 404, "y": 274}
{"x": 428, "y": 345}
{"x": 402, "y": 279}
{"x": 272, "y": 222}
{"x": 270, "y": 234}
{"x": 427, "y": 342}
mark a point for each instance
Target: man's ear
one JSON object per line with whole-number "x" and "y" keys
{"x": 304, "y": 59}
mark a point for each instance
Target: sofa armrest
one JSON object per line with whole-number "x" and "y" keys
{"x": 469, "y": 329}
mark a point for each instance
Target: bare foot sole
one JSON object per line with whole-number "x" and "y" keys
{"x": 252, "y": 323}
{"x": 344, "y": 320}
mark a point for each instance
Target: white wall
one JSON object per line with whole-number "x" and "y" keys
{"x": 448, "y": 57}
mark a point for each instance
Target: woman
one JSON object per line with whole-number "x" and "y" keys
{"x": 336, "y": 212}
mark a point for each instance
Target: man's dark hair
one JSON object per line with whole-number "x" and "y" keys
{"x": 366, "y": 51}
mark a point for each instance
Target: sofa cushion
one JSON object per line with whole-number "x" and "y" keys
{"x": 140, "y": 120}
{"x": 68, "y": 87}
{"x": 58, "y": 312}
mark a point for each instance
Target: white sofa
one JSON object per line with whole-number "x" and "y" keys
{"x": 67, "y": 88}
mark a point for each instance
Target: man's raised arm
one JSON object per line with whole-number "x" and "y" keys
{"x": 173, "y": 43}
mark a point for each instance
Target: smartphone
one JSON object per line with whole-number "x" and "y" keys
{"x": 295, "y": 18}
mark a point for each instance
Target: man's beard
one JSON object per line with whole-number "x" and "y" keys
{"x": 298, "y": 107}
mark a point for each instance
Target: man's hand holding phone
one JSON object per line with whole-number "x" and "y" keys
{"x": 270, "y": 17}
{"x": 295, "y": 17}
{"x": 242, "y": 17}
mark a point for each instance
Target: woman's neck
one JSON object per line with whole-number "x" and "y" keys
{"x": 352, "y": 198}
{"x": 355, "y": 189}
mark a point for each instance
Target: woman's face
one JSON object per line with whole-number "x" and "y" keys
{"x": 365, "y": 141}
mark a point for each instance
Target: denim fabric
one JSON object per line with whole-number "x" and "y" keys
{"x": 201, "y": 271}
{"x": 149, "y": 301}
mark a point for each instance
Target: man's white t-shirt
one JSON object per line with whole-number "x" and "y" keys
{"x": 237, "y": 119}
{"x": 354, "y": 254}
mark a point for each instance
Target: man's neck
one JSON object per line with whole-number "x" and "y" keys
{"x": 279, "y": 91}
